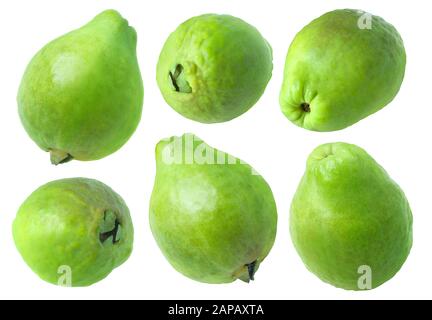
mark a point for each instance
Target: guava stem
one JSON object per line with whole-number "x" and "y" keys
{"x": 174, "y": 82}
{"x": 251, "y": 270}
{"x": 178, "y": 80}
{"x": 60, "y": 157}
{"x": 112, "y": 224}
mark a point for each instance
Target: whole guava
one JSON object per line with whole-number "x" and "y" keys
{"x": 341, "y": 68}
{"x": 73, "y": 232}
{"x": 350, "y": 222}
{"x": 213, "y": 68}
{"x": 81, "y": 96}
{"x": 212, "y": 215}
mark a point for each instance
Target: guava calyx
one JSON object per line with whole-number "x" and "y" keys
{"x": 178, "y": 81}
{"x": 247, "y": 272}
{"x": 251, "y": 270}
{"x": 60, "y": 157}
{"x": 305, "y": 107}
{"x": 110, "y": 228}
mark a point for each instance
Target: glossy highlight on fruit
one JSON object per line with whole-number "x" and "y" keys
{"x": 341, "y": 68}
{"x": 350, "y": 222}
{"x": 212, "y": 215}
{"x": 73, "y": 232}
{"x": 213, "y": 68}
{"x": 81, "y": 96}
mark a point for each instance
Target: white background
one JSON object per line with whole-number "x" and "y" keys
{"x": 398, "y": 137}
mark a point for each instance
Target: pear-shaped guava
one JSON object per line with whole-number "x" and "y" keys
{"x": 213, "y": 216}
{"x": 73, "y": 232}
{"x": 341, "y": 68}
{"x": 350, "y": 222}
{"x": 81, "y": 95}
{"x": 213, "y": 68}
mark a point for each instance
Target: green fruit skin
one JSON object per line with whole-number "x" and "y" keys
{"x": 211, "y": 220}
{"x": 343, "y": 72}
{"x": 60, "y": 225}
{"x": 82, "y": 94}
{"x": 347, "y": 213}
{"x": 226, "y": 63}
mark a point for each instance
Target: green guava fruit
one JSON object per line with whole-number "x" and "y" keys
{"x": 76, "y": 226}
{"x": 81, "y": 96}
{"x": 341, "y": 68}
{"x": 214, "y": 68}
{"x": 212, "y": 215}
{"x": 350, "y": 222}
